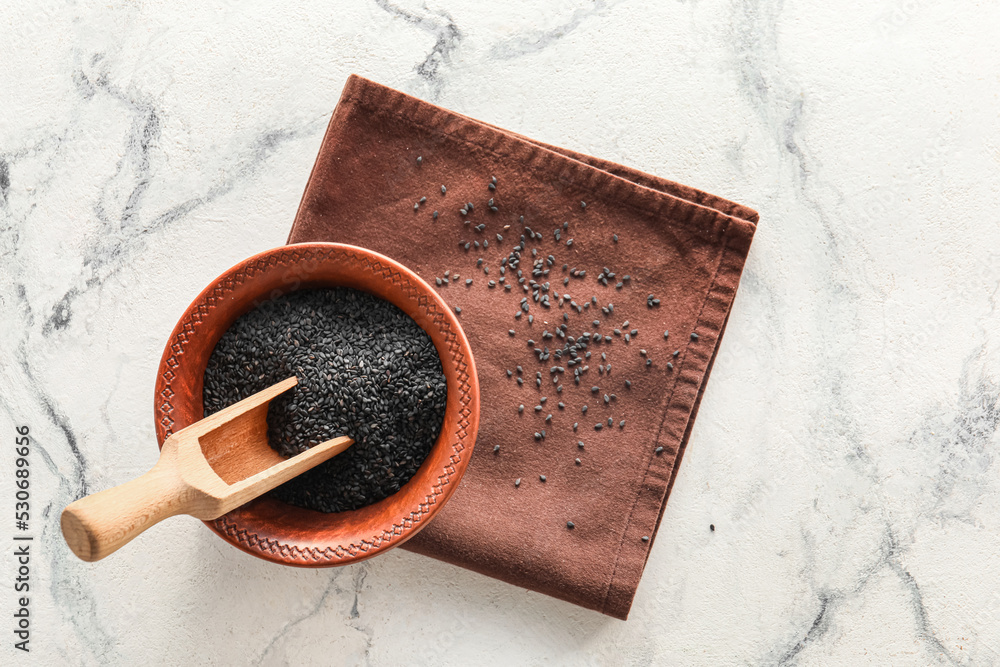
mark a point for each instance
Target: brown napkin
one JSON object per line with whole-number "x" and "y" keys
{"x": 382, "y": 153}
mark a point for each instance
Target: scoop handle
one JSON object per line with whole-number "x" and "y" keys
{"x": 100, "y": 524}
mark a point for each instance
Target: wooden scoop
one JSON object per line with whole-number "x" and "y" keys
{"x": 207, "y": 469}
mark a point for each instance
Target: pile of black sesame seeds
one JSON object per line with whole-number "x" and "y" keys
{"x": 365, "y": 369}
{"x": 524, "y": 267}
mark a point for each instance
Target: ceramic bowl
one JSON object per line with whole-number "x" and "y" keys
{"x": 282, "y": 533}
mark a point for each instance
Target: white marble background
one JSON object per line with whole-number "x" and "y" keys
{"x": 845, "y": 450}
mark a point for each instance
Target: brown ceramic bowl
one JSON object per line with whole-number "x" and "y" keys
{"x": 271, "y": 529}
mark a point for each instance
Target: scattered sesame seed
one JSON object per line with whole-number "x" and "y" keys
{"x": 694, "y": 336}
{"x": 570, "y": 525}
{"x": 541, "y": 478}
{"x": 645, "y": 538}
{"x": 658, "y": 451}
{"x": 420, "y": 159}
{"x": 517, "y": 482}
{"x": 496, "y": 449}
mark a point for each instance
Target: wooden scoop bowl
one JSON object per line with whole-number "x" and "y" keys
{"x": 206, "y": 470}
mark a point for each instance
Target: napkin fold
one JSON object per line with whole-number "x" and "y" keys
{"x": 606, "y": 245}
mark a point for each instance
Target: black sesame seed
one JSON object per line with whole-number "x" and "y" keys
{"x": 541, "y": 478}
{"x": 496, "y": 449}
{"x": 694, "y": 336}
{"x": 645, "y": 538}
{"x": 458, "y": 311}
{"x": 302, "y": 330}
{"x": 570, "y": 525}
{"x": 583, "y": 204}
{"x": 658, "y": 451}
{"x": 420, "y": 159}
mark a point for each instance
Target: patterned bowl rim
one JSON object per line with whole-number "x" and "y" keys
{"x": 264, "y": 537}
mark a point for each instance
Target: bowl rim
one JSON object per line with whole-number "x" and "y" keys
{"x": 256, "y": 528}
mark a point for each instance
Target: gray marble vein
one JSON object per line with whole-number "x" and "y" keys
{"x": 845, "y": 451}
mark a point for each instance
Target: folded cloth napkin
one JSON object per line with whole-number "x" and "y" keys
{"x": 597, "y": 300}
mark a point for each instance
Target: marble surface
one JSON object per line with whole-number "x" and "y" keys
{"x": 845, "y": 449}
